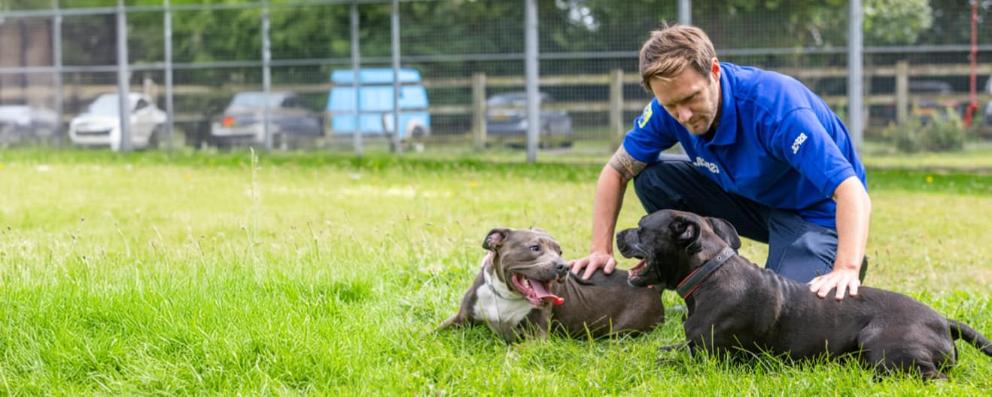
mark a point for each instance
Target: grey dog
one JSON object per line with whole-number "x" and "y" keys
{"x": 525, "y": 288}
{"x": 734, "y": 306}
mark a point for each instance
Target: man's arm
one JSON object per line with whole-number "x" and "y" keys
{"x": 610, "y": 189}
{"x": 853, "y": 214}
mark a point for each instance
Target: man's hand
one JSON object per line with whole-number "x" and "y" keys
{"x": 594, "y": 261}
{"x": 842, "y": 279}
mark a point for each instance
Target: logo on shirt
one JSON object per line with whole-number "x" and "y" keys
{"x": 707, "y": 165}
{"x": 798, "y": 142}
{"x": 645, "y": 116}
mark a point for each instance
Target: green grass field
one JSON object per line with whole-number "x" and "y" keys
{"x": 206, "y": 274}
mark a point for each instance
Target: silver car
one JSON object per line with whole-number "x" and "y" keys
{"x": 506, "y": 120}
{"x": 988, "y": 106}
{"x": 243, "y": 121}
{"x": 20, "y": 123}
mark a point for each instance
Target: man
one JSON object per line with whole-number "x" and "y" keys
{"x": 765, "y": 153}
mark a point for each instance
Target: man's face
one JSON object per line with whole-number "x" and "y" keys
{"x": 691, "y": 98}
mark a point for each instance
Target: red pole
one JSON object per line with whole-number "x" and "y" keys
{"x": 973, "y": 93}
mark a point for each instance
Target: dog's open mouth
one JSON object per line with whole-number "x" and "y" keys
{"x": 637, "y": 269}
{"x": 535, "y": 291}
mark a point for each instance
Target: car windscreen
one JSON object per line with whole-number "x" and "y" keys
{"x": 514, "y": 100}
{"x": 106, "y": 105}
{"x": 255, "y": 100}
{"x": 508, "y": 101}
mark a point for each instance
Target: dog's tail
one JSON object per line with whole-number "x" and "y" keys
{"x": 961, "y": 330}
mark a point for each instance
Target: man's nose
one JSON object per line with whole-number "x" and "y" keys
{"x": 683, "y": 113}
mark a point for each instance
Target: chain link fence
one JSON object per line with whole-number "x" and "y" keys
{"x": 280, "y": 75}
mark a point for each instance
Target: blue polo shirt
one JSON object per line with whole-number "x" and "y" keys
{"x": 777, "y": 143}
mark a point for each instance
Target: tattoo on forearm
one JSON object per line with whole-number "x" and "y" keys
{"x": 626, "y": 165}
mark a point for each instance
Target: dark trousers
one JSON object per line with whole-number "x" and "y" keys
{"x": 797, "y": 249}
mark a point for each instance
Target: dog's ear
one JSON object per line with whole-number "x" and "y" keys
{"x": 726, "y": 231}
{"x": 495, "y": 238}
{"x": 686, "y": 233}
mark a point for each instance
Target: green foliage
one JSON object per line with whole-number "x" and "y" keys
{"x": 906, "y": 136}
{"x": 944, "y": 132}
{"x": 896, "y": 21}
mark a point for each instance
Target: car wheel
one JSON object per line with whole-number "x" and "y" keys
{"x": 418, "y": 132}
{"x": 155, "y": 140}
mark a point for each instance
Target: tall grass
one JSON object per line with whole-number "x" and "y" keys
{"x": 217, "y": 274}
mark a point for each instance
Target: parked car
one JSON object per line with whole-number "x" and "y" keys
{"x": 100, "y": 124}
{"x": 988, "y": 106}
{"x": 291, "y": 123}
{"x": 927, "y": 102}
{"x": 20, "y": 123}
{"x": 377, "y": 112}
{"x": 506, "y": 120}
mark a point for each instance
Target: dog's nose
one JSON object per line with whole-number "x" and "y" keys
{"x": 561, "y": 267}
{"x": 621, "y": 240}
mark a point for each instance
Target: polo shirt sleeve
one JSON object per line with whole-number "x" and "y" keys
{"x": 650, "y": 135}
{"x": 801, "y": 140}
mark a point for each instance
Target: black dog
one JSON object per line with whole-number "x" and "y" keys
{"x": 734, "y": 306}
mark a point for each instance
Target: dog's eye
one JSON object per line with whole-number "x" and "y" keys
{"x": 535, "y": 248}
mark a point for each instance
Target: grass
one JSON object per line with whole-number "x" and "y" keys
{"x": 311, "y": 273}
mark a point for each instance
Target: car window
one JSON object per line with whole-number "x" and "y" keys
{"x": 515, "y": 99}
{"x": 105, "y": 105}
{"x": 930, "y": 87}
{"x": 255, "y": 100}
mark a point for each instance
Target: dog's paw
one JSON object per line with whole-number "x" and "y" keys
{"x": 670, "y": 354}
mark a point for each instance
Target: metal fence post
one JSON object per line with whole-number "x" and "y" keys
{"x": 531, "y": 67}
{"x": 57, "y": 75}
{"x": 355, "y": 64}
{"x": 685, "y": 12}
{"x": 616, "y": 108}
{"x": 855, "y": 73}
{"x": 123, "y": 83}
{"x": 169, "y": 110}
{"x": 397, "y": 128}
{"x": 267, "y": 78}
{"x": 479, "y": 110}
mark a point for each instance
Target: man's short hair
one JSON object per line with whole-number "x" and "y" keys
{"x": 673, "y": 48}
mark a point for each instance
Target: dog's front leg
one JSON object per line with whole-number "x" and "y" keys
{"x": 539, "y": 324}
{"x": 667, "y": 355}
{"x": 676, "y": 346}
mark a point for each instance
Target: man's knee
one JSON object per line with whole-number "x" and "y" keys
{"x": 808, "y": 256}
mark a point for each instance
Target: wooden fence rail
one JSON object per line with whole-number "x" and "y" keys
{"x": 615, "y": 80}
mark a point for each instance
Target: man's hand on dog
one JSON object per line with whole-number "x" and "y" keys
{"x": 842, "y": 279}
{"x": 594, "y": 261}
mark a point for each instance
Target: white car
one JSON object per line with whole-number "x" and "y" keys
{"x": 101, "y": 124}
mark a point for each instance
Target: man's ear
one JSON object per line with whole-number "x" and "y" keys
{"x": 726, "y": 231}
{"x": 495, "y": 238}
{"x": 686, "y": 233}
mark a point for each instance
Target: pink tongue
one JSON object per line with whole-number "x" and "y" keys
{"x": 541, "y": 293}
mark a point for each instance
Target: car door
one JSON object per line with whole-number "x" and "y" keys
{"x": 296, "y": 119}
